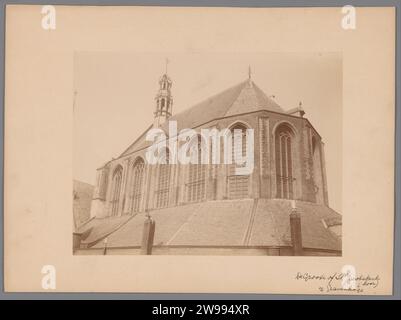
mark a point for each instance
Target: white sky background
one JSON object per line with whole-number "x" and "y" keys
{"x": 115, "y": 97}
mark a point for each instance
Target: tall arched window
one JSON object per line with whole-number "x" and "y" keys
{"x": 284, "y": 169}
{"x": 196, "y": 183}
{"x": 115, "y": 196}
{"x": 136, "y": 185}
{"x": 238, "y": 184}
{"x": 163, "y": 183}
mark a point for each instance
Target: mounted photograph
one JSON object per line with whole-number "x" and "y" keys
{"x": 241, "y": 172}
{"x": 199, "y": 150}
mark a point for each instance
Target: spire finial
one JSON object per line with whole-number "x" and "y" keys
{"x": 167, "y": 61}
{"x": 249, "y": 72}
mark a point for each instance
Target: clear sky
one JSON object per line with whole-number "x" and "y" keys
{"x": 115, "y": 94}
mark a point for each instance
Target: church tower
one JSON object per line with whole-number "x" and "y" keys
{"x": 164, "y": 101}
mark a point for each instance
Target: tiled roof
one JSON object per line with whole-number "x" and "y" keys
{"x": 241, "y": 98}
{"x": 97, "y": 229}
{"x": 271, "y": 225}
{"x": 247, "y": 222}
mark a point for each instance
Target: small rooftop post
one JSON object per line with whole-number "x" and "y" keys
{"x": 77, "y": 238}
{"x": 148, "y": 235}
{"x": 296, "y": 233}
{"x": 105, "y": 246}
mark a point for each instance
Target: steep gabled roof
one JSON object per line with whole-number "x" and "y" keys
{"x": 241, "y": 98}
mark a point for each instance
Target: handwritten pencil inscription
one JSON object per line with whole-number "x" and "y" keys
{"x": 340, "y": 282}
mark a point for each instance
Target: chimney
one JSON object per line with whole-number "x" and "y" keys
{"x": 148, "y": 236}
{"x": 296, "y": 233}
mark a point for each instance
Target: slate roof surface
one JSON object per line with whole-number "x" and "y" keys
{"x": 97, "y": 229}
{"x": 245, "y": 222}
{"x": 242, "y": 98}
{"x": 272, "y": 227}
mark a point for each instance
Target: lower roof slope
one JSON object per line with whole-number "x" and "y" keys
{"x": 246, "y": 222}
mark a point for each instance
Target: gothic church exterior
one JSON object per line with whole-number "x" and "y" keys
{"x": 207, "y": 208}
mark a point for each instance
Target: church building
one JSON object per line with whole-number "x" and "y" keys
{"x": 207, "y": 208}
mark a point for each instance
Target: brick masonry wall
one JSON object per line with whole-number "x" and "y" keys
{"x": 262, "y": 182}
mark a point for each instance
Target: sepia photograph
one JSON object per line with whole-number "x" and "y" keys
{"x": 175, "y": 189}
{"x": 200, "y": 150}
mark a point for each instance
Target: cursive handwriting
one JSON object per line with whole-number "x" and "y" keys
{"x": 340, "y": 282}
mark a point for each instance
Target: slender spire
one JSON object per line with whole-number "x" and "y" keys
{"x": 164, "y": 99}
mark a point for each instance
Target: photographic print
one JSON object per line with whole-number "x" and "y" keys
{"x": 199, "y": 149}
{"x": 234, "y": 174}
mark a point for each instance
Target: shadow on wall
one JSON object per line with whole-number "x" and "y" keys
{"x": 82, "y": 199}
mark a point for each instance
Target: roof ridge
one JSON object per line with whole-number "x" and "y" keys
{"x": 186, "y": 222}
{"x": 133, "y": 143}
{"x": 218, "y": 94}
{"x": 270, "y": 100}
{"x": 239, "y": 93}
{"x": 220, "y": 105}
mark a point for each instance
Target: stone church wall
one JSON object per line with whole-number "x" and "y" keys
{"x": 308, "y": 167}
